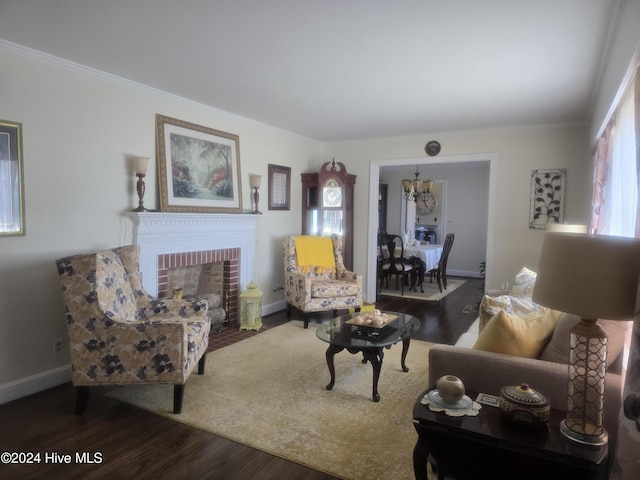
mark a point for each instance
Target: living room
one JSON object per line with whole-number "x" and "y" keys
{"x": 81, "y": 122}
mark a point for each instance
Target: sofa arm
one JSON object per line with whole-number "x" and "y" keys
{"x": 487, "y": 372}
{"x": 297, "y": 288}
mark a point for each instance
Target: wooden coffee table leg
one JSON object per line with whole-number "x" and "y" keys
{"x": 405, "y": 350}
{"x": 375, "y": 356}
{"x": 331, "y": 352}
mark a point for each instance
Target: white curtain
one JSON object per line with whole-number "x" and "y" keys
{"x": 618, "y": 212}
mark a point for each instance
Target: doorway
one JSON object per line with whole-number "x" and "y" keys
{"x": 449, "y": 160}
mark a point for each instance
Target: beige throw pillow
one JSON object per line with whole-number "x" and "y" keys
{"x": 523, "y": 336}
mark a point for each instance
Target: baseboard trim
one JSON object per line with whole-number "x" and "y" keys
{"x": 274, "y": 307}
{"x": 34, "y": 384}
{"x": 463, "y": 273}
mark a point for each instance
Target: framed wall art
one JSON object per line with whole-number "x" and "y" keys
{"x": 279, "y": 187}
{"x": 547, "y": 197}
{"x": 198, "y": 168}
{"x": 12, "y": 220}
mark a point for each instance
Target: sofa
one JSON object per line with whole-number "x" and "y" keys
{"x": 515, "y": 341}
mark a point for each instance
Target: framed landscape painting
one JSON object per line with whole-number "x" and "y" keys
{"x": 11, "y": 180}
{"x": 198, "y": 168}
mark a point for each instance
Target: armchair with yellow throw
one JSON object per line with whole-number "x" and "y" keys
{"x": 121, "y": 335}
{"x": 315, "y": 278}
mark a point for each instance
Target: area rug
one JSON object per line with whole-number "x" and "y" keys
{"x": 268, "y": 392}
{"x": 431, "y": 291}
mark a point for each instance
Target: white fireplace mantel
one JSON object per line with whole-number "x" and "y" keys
{"x": 159, "y": 233}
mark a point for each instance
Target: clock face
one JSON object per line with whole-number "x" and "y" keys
{"x": 426, "y": 203}
{"x": 332, "y": 197}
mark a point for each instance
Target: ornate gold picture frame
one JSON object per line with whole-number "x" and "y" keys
{"x": 198, "y": 168}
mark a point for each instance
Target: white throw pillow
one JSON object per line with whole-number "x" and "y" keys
{"x": 524, "y": 283}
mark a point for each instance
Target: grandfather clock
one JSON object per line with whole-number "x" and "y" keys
{"x": 327, "y": 205}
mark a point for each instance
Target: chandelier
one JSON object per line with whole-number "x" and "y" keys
{"x": 416, "y": 189}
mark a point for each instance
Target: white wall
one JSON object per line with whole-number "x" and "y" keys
{"x": 78, "y": 128}
{"x": 518, "y": 151}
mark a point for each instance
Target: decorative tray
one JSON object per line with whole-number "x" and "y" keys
{"x": 371, "y": 333}
{"x": 374, "y": 335}
{"x": 390, "y": 319}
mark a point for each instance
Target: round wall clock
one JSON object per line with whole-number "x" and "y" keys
{"x": 426, "y": 203}
{"x": 432, "y": 148}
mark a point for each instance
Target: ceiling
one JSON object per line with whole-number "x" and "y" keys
{"x": 337, "y": 70}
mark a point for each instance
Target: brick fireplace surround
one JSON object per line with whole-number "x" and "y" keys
{"x": 169, "y": 240}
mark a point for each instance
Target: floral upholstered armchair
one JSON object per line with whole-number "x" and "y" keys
{"x": 121, "y": 335}
{"x": 315, "y": 278}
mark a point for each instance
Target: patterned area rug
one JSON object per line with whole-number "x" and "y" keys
{"x": 268, "y": 392}
{"x": 431, "y": 291}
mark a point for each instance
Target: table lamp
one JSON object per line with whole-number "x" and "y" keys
{"x": 591, "y": 276}
{"x": 140, "y": 170}
{"x": 254, "y": 181}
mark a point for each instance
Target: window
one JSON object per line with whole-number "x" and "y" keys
{"x": 615, "y": 194}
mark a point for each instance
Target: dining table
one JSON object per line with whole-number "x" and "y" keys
{"x": 429, "y": 253}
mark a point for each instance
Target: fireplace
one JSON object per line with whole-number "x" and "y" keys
{"x": 170, "y": 240}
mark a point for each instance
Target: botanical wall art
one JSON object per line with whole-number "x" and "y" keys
{"x": 547, "y": 197}
{"x": 11, "y": 180}
{"x": 198, "y": 168}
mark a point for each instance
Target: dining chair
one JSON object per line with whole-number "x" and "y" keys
{"x": 395, "y": 263}
{"x": 440, "y": 272}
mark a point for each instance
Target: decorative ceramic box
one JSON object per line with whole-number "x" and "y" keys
{"x": 524, "y": 405}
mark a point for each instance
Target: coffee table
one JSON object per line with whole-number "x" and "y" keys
{"x": 341, "y": 335}
{"x": 490, "y": 446}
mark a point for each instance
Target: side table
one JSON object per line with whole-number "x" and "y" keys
{"x": 490, "y": 446}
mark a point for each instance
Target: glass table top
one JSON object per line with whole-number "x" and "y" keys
{"x": 338, "y": 332}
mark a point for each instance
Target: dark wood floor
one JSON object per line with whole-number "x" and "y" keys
{"x": 126, "y": 442}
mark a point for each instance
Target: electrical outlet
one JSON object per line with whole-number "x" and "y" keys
{"x": 57, "y": 347}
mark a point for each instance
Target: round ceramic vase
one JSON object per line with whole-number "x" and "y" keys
{"x": 450, "y": 388}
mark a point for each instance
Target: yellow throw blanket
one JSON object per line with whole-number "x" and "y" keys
{"x": 313, "y": 252}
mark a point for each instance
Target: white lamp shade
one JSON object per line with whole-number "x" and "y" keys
{"x": 592, "y": 276}
{"x": 564, "y": 227}
{"x": 254, "y": 181}
{"x": 140, "y": 164}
